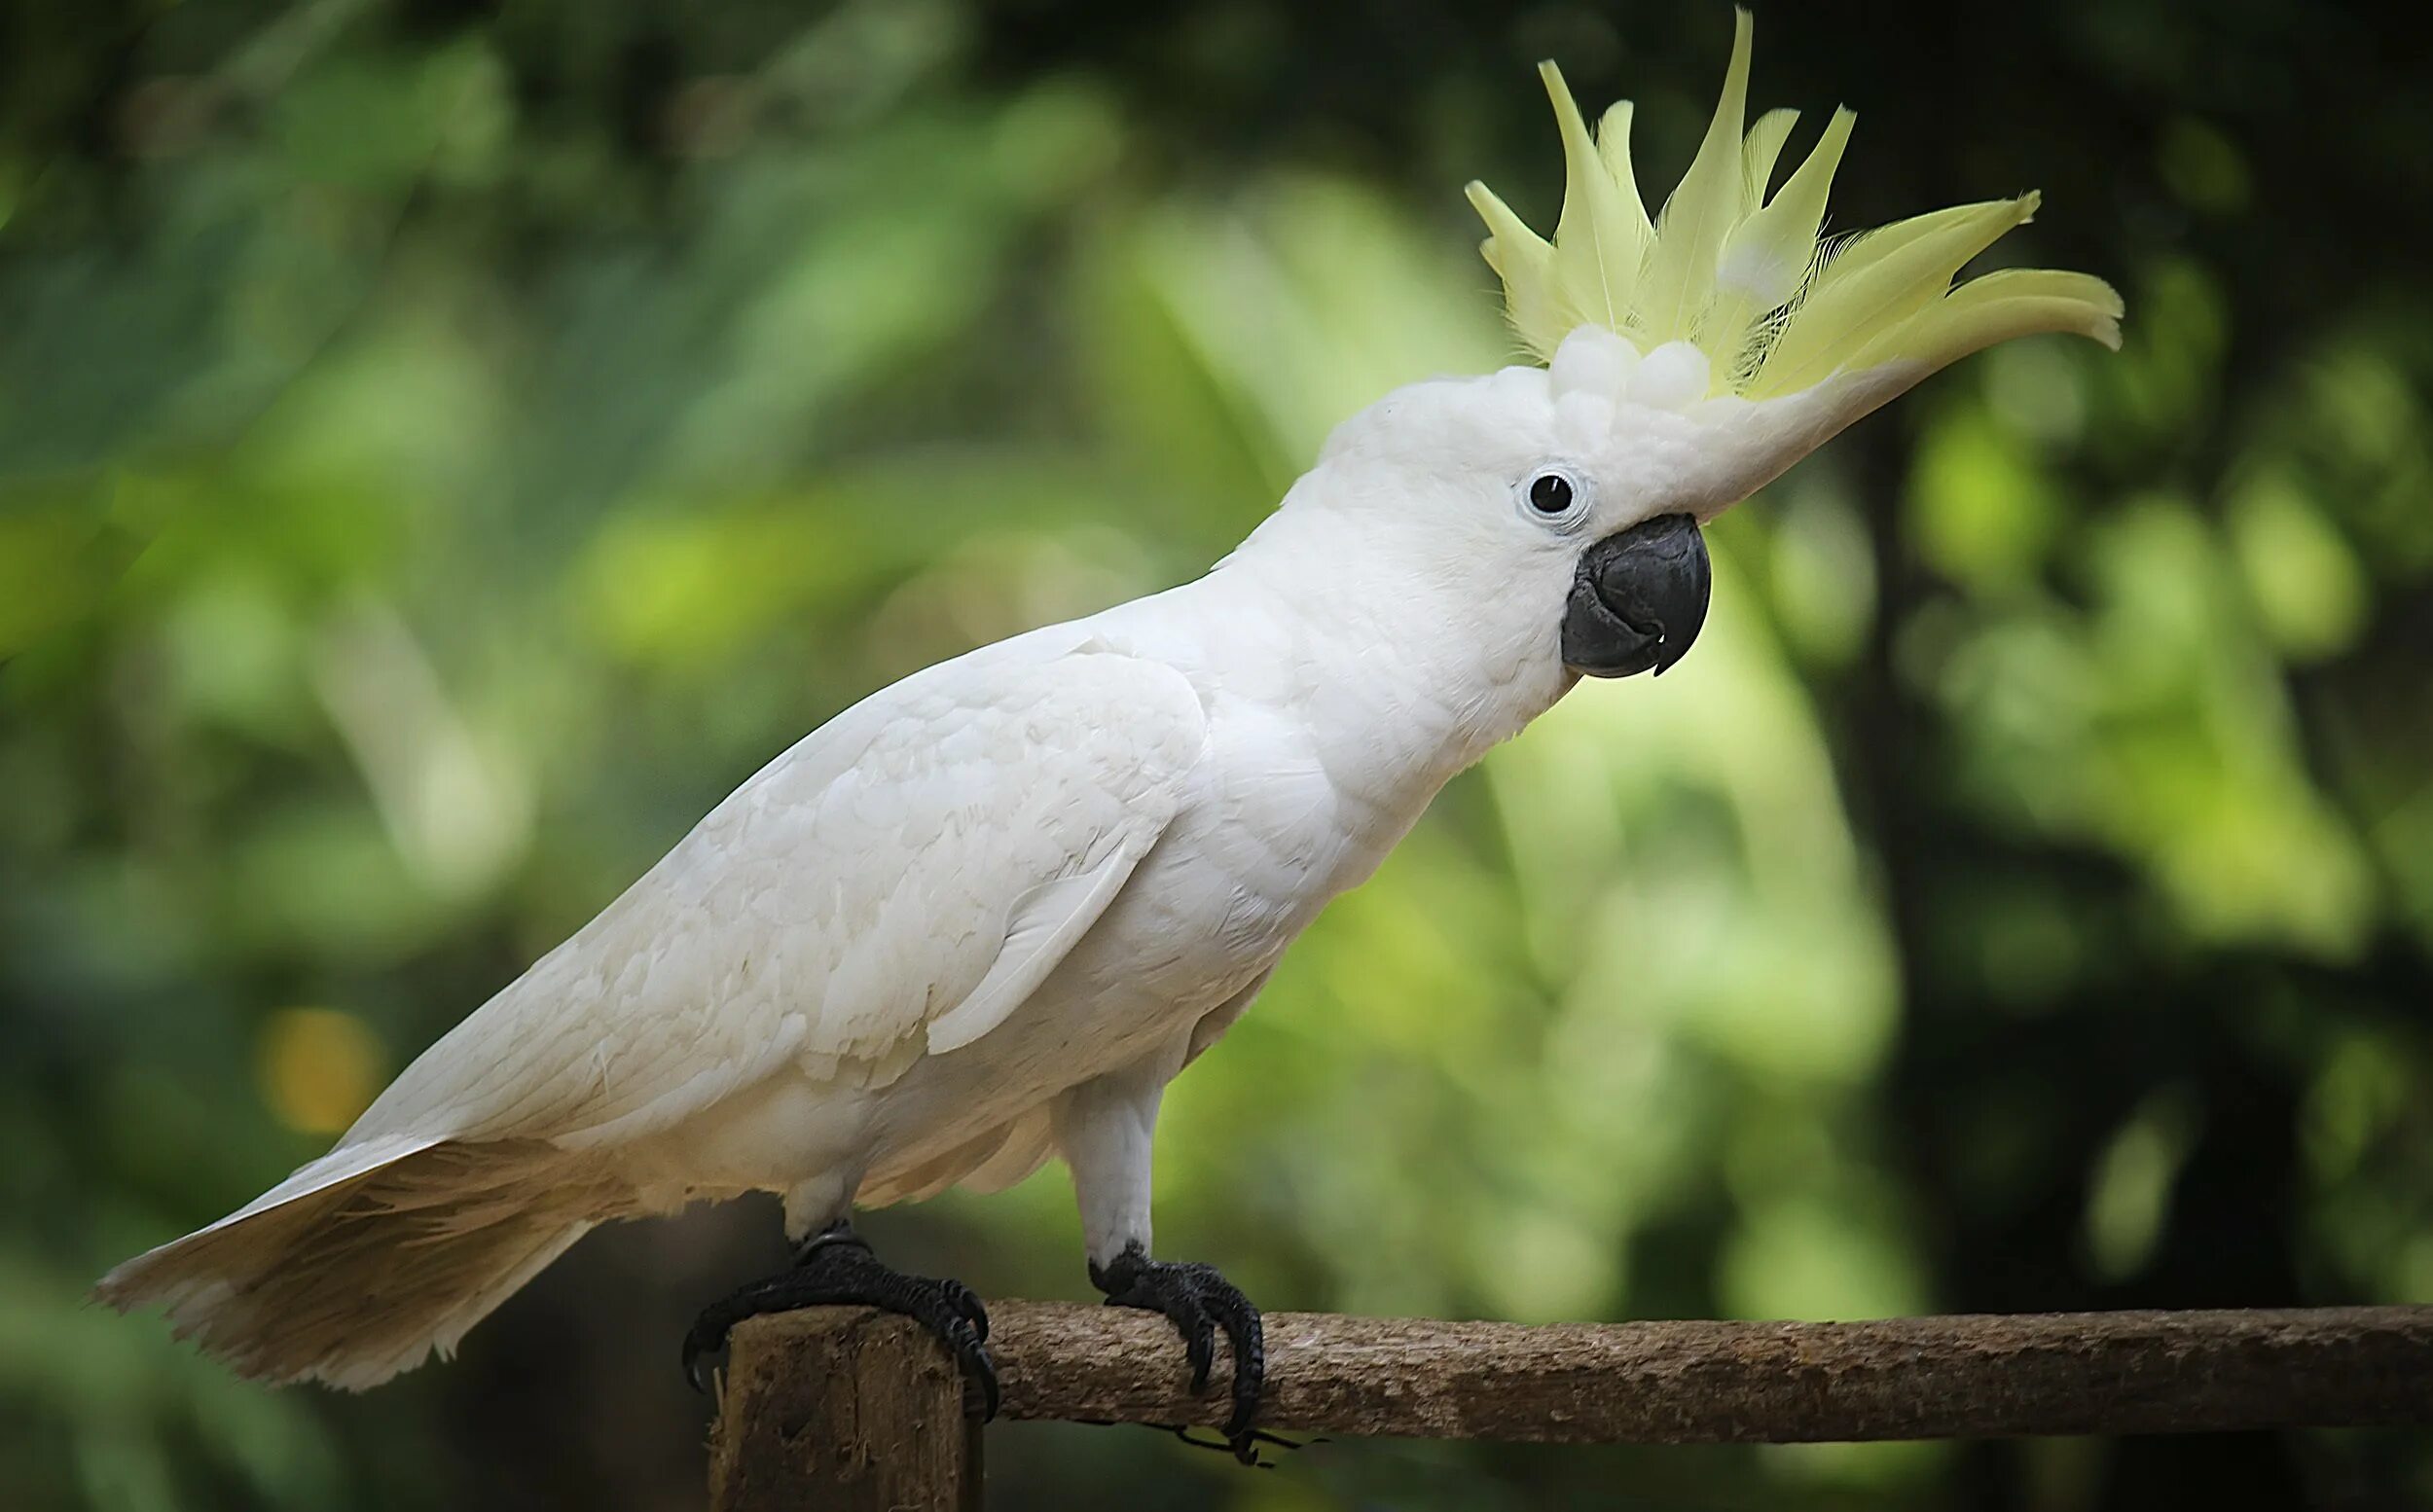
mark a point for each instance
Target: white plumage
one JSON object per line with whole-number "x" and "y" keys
{"x": 987, "y": 914}
{"x": 888, "y": 889}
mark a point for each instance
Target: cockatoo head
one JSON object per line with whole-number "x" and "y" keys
{"x": 1689, "y": 360}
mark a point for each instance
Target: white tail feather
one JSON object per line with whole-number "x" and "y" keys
{"x": 367, "y": 1261}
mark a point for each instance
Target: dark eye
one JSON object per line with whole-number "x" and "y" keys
{"x": 1550, "y": 493}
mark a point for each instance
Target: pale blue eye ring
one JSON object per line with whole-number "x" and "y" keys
{"x": 1555, "y": 497}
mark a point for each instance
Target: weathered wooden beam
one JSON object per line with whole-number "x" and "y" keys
{"x": 842, "y": 1409}
{"x": 790, "y": 1401}
{"x": 1690, "y": 1383}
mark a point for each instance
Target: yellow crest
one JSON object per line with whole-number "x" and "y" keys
{"x": 1744, "y": 280}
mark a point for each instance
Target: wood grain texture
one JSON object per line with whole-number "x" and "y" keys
{"x": 842, "y": 1409}
{"x": 1697, "y": 1383}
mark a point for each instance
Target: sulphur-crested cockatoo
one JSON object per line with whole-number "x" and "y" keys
{"x": 987, "y": 914}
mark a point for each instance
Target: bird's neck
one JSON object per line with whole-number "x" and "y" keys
{"x": 1398, "y": 682}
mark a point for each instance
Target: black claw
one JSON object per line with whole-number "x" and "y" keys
{"x": 837, "y": 1267}
{"x": 964, "y": 1301}
{"x": 1243, "y": 1447}
{"x": 696, "y": 1348}
{"x": 979, "y": 1370}
{"x": 1198, "y": 1301}
{"x": 1249, "y": 1338}
{"x": 1200, "y": 1349}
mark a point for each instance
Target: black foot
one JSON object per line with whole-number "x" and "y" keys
{"x": 1199, "y": 1302}
{"x": 836, "y": 1266}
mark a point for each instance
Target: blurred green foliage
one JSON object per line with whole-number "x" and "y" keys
{"x": 444, "y": 450}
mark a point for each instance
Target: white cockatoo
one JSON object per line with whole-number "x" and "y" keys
{"x": 987, "y": 914}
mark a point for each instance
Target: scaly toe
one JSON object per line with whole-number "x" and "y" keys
{"x": 837, "y": 1267}
{"x": 964, "y": 1300}
{"x": 1198, "y": 1301}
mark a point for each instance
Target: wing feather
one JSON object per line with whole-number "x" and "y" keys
{"x": 893, "y": 885}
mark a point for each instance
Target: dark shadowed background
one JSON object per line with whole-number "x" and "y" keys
{"x": 444, "y": 449}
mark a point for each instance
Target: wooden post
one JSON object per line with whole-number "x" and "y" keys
{"x": 846, "y": 1410}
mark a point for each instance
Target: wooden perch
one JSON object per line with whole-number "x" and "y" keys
{"x": 822, "y": 1407}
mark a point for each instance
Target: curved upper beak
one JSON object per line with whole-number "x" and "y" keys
{"x": 1638, "y": 599}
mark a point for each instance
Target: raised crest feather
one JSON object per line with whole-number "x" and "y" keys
{"x": 1751, "y": 281}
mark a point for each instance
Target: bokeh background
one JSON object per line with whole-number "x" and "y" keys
{"x": 444, "y": 449}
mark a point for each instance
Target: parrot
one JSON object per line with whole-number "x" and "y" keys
{"x": 985, "y": 916}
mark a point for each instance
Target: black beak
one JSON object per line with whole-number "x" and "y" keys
{"x": 1638, "y": 601}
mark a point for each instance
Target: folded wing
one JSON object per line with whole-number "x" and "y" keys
{"x": 893, "y": 887}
